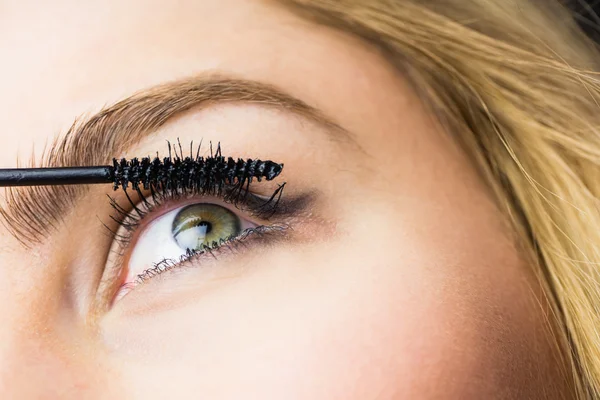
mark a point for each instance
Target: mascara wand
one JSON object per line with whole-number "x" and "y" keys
{"x": 55, "y": 176}
{"x": 170, "y": 171}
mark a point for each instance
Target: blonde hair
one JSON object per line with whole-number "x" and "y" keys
{"x": 514, "y": 81}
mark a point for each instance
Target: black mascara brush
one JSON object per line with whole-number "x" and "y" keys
{"x": 146, "y": 172}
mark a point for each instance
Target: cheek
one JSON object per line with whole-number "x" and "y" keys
{"x": 341, "y": 323}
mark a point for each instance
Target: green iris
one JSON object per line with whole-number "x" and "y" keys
{"x": 198, "y": 226}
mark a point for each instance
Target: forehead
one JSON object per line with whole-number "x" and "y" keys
{"x": 71, "y": 58}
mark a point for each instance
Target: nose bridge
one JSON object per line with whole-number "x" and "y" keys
{"x": 33, "y": 363}
{"x": 41, "y": 345}
{"x": 41, "y": 358}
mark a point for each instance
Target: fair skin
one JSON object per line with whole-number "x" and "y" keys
{"x": 402, "y": 280}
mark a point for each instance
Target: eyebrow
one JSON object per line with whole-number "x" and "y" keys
{"x": 32, "y": 213}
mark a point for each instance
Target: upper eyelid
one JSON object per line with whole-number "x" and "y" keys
{"x": 252, "y": 201}
{"x": 286, "y": 206}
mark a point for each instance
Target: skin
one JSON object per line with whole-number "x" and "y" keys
{"x": 403, "y": 281}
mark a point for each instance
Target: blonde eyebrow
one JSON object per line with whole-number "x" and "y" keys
{"x": 32, "y": 213}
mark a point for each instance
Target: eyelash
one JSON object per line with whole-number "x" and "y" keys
{"x": 241, "y": 198}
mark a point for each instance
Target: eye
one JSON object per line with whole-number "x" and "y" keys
{"x": 183, "y": 211}
{"x": 178, "y": 233}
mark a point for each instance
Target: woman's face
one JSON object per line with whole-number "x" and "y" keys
{"x": 395, "y": 277}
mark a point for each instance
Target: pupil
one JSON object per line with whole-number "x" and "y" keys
{"x": 206, "y": 225}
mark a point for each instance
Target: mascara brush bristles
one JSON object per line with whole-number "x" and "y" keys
{"x": 173, "y": 172}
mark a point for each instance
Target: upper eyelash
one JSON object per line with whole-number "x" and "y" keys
{"x": 130, "y": 220}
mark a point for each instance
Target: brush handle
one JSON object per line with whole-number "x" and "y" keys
{"x": 55, "y": 176}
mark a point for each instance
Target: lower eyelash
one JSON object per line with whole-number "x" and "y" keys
{"x": 264, "y": 232}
